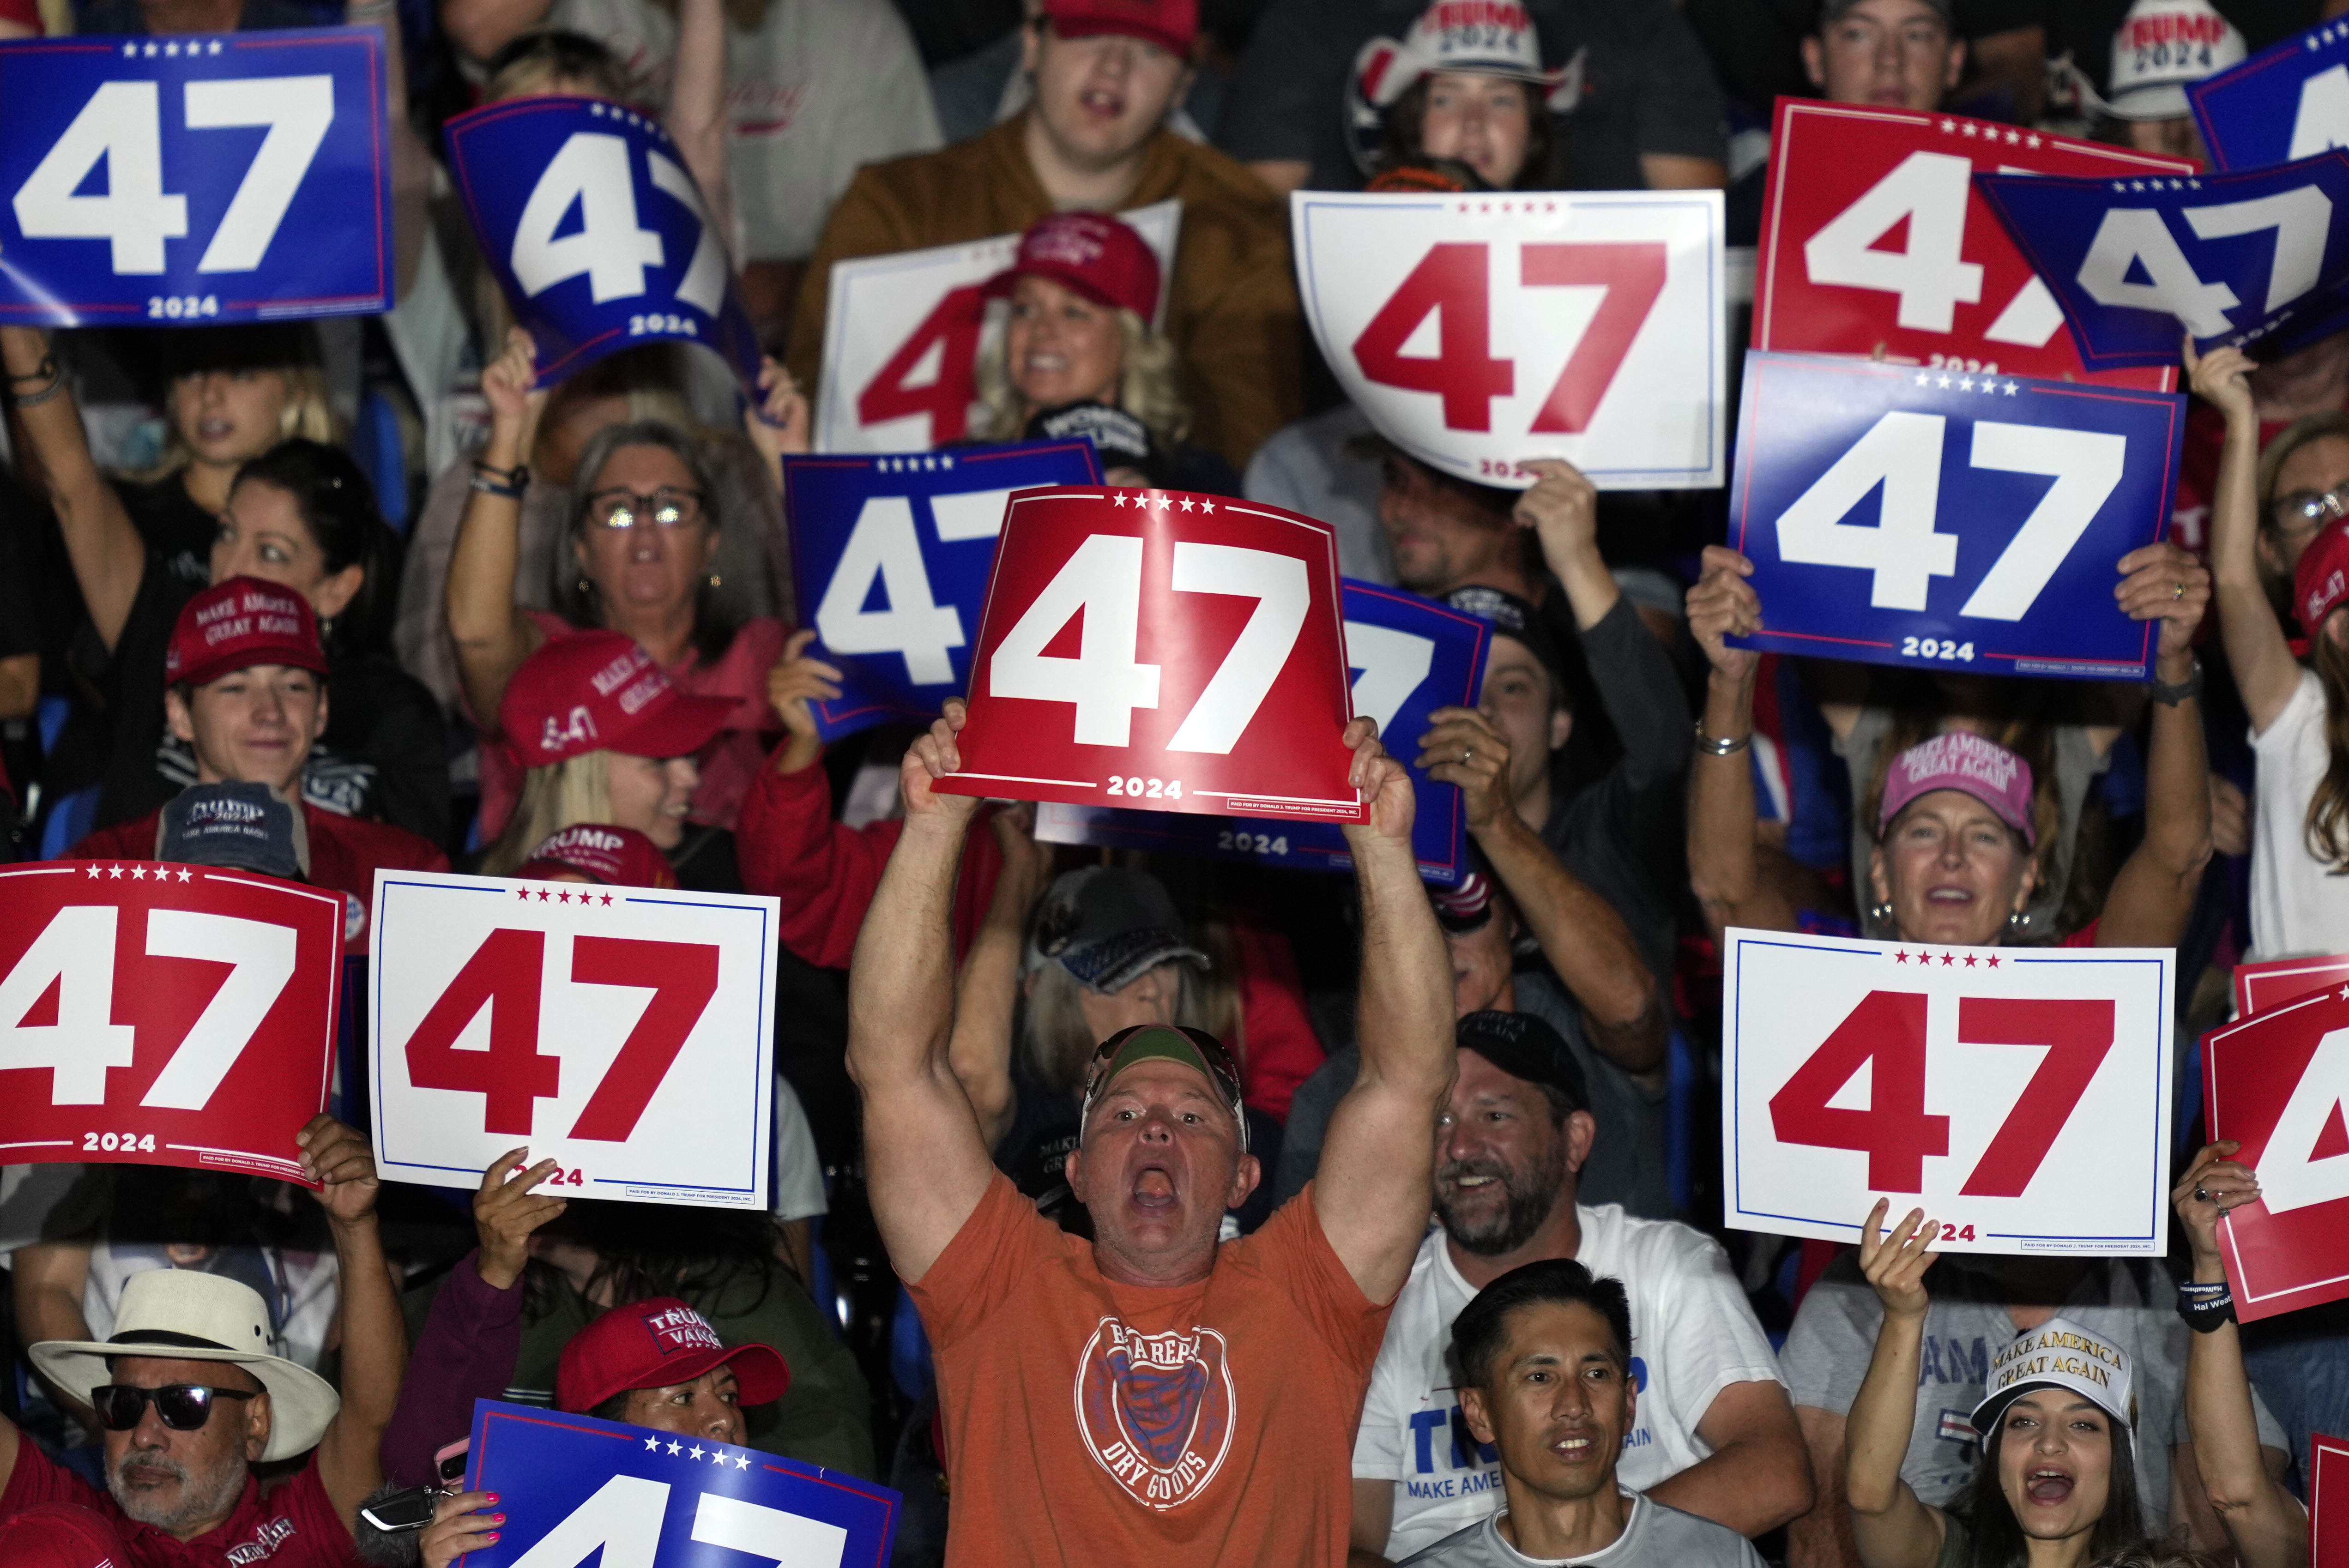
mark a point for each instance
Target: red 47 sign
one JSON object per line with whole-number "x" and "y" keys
{"x": 2020, "y": 1096}
{"x": 2328, "y": 1501}
{"x": 1875, "y": 242}
{"x": 1164, "y": 650}
{"x": 2275, "y": 1083}
{"x": 625, "y": 1033}
{"x": 155, "y": 1014}
{"x": 1478, "y": 331}
{"x": 2259, "y": 986}
{"x": 902, "y": 334}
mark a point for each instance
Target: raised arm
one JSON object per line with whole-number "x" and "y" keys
{"x": 2257, "y": 650}
{"x": 1377, "y": 1178}
{"x": 374, "y": 1337}
{"x": 695, "y": 120}
{"x": 925, "y": 1161}
{"x": 2154, "y": 891}
{"x": 491, "y": 633}
{"x": 987, "y": 995}
{"x": 1582, "y": 935}
{"x": 1891, "y": 1526}
{"x": 1723, "y": 865}
{"x": 2265, "y": 1525}
{"x": 108, "y": 559}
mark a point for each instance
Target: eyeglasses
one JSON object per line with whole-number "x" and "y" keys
{"x": 617, "y": 509}
{"x": 2305, "y": 510}
{"x": 184, "y": 1406}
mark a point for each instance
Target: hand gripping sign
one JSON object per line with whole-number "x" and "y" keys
{"x": 155, "y": 1014}
{"x": 2018, "y": 1095}
{"x": 893, "y": 552}
{"x": 1476, "y": 331}
{"x": 901, "y": 335}
{"x": 2274, "y": 1083}
{"x": 198, "y": 180}
{"x": 1409, "y": 656}
{"x": 624, "y": 1032}
{"x": 1846, "y": 183}
{"x": 596, "y": 232}
{"x": 1947, "y": 519}
{"x": 2259, "y": 986}
{"x": 570, "y": 1485}
{"x": 2287, "y": 102}
{"x": 1178, "y": 651}
{"x": 2229, "y": 259}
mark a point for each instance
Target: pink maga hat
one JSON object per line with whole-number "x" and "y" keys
{"x": 1961, "y": 760}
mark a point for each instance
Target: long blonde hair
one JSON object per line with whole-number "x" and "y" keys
{"x": 1149, "y": 386}
{"x": 558, "y": 796}
{"x": 309, "y": 413}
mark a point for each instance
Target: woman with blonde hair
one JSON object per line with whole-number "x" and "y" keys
{"x": 1078, "y": 356}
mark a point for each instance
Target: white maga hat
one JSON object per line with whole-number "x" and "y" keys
{"x": 2059, "y": 1353}
{"x": 2161, "y": 48}
{"x": 183, "y": 1314}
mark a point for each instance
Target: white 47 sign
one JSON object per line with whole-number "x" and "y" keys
{"x": 623, "y": 1032}
{"x": 1480, "y": 331}
{"x": 2019, "y": 1095}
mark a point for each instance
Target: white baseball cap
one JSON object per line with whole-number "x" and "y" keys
{"x": 1476, "y": 37}
{"x": 185, "y": 1315}
{"x": 2059, "y": 1354}
{"x": 2161, "y": 48}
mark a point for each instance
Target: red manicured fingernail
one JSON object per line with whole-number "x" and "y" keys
{"x": 493, "y": 1498}
{"x": 491, "y": 1536}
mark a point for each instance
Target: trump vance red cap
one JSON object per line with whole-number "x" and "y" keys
{"x": 659, "y": 1343}
{"x": 600, "y": 691}
{"x": 242, "y": 621}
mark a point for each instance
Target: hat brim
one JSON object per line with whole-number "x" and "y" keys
{"x": 205, "y": 672}
{"x": 1000, "y": 286}
{"x": 1991, "y": 1405}
{"x": 301, "y": 1403}
{"x": 681, "y": 728}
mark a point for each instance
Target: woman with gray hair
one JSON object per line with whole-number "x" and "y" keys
{"x": 643, "y": 532}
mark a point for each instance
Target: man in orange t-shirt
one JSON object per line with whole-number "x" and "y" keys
{"x": 1106, "y": 1400}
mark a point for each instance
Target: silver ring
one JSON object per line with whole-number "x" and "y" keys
{"x": 2180, "y": 594}
{"x": 1467, "y": 756}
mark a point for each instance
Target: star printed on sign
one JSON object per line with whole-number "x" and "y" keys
{"x": 1951, "y": 960}
{"x": 1985, "y": 385}
{"x": 716, "y": 1456}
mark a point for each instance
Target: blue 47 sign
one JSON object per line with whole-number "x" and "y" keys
{"x": 572, "y": 1485}
{"x": 1944, "y": 520}
{"x": 1408, "y": 656}
{"x": 894, "y": 602}
{"x": 596, "y": 232}
{"x": 2284, "y": 104}
{"x": 206, "y": 179}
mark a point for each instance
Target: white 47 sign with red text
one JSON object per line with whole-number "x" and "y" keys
{"x": 625, "y": 1033}
{"x": 164, "y": 1015}
{"x": 1480, "y": 330}
{"x": 2018, "y": 1095}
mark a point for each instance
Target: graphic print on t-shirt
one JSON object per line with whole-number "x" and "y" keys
{"x": 1156, "y": 1410}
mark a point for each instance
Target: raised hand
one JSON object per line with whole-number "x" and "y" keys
{"x": 515, "y": 402}
{"x": 1385, "y": 787}
{"x": 1896, "y": 1265}
{"x": 505, "y": 1212}
{"x": 796, "y": 681}
{"x": 2163, "y": 582}
{"x": 933, "y": 756}
{"x": 1463, "y": 747}
{"x": 2222, "y": 378}
{"x": 339, "y": 1157}
{"x": 778, "y": 422}
{"x": 456, "y": 1528}
{"x": 1561, "y": 507}
{"x": 2215, "y": 1184}
{"x": 1725, "y": 604}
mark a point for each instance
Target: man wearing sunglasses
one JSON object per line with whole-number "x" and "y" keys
{"x": 191, "y": 1400}
{"x": 1108, "y": 1399}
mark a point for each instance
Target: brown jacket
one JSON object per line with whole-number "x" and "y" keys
{"x": 1233, "y": 315}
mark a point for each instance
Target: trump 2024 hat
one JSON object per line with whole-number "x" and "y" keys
{"x": 242, "y": 621}
{"x": 659, "y": 1343}
{"x": 232, "y": 824}
{"x": 1958, "y": 759}
{"x": 600, "y": 691}
{"x": 2161, "y": 48}
{"x": 2059, "y": 1354}
{"x": 616, "y": 857}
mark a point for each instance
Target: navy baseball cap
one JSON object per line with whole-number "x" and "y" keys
{"x": 230, "y": 824}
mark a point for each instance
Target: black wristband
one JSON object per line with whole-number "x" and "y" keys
{"x": 2191, "y": 687}
{"x": 2206, "y": 1306}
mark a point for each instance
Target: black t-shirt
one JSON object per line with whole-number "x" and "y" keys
{"x": 1647, "y": 85}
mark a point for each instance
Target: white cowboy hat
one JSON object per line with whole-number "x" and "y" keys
{"x": 182, "y": 1314}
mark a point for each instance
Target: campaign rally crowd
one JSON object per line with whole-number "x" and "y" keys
{"x": 1370, "y": 1219}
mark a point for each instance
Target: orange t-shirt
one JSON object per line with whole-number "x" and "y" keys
{"x": 1091, "y": 1422}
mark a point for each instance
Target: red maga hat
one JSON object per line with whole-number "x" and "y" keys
{"x": 1097, "y": 255}
{"x": 658, "y": 1344}
{"x": 1172, "y": 24}
{"x": 242, "y": 622}
{"x": 600, "y": 691}
{"x": 2321, "y": 582}
{"x": 616, "y": 857}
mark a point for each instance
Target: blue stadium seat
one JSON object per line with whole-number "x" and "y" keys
{"x": 70, "y": 821}
{"x": 376, "y": 444}
{"x": 1680, "y": 1124}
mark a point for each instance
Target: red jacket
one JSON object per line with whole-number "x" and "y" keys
{"x": 344, "y": 854}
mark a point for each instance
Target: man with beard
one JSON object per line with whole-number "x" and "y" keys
{"x": 189, "y": 1407}
{"x": 1714, "y": 1435}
